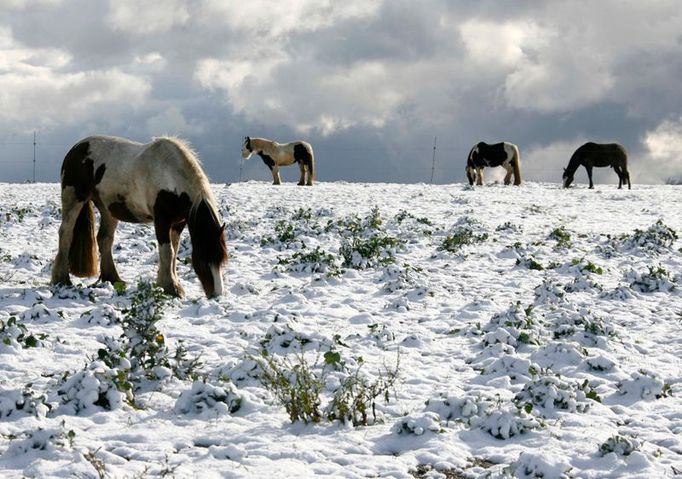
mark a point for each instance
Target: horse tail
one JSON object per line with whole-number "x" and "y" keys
{"x": 83, "y": 250}
{"x": 626, "y": 172}
{"x": 311, "y": 165}
{"x": 516, "y": 164}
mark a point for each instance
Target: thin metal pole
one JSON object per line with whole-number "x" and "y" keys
{"x": 34, "y": 156}
{"x": 433, "y": 161}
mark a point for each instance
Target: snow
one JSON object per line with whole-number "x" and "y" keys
{"x": 533, "y": 331}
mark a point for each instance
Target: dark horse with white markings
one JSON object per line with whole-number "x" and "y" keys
{"x": 504, "y": 154}
{"x": 600, "y": 155}
{"x": 160, "y": 182}
{"x": 275, "y": 155}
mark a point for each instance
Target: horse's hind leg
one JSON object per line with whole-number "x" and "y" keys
{"x": 105, "y": 241}
{"x": 310, "y": 168}
{"x": 301, "y": 180}
{"x": 71, "y": 208}
{"x": 626, "y": 177}
{"x": 589, "y": 176}
{"x": 507, "y": 177}
{"x": 479, "y": 176}
{"x": 621, "y": 179}
{"x": 309, "y": 162}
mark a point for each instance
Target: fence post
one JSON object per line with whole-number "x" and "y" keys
{"x": 433, "y": 161}
{"x": 34, "y": 157}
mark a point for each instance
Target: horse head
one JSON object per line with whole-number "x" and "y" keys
{"x": 209, "y": 252}
{"x": 567, "y": 177}
{"x": 247, "y": 151}
{"x": 471, "y": 175}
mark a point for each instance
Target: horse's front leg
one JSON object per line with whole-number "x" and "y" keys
{"x": 276, "y": 180}
{"x": 105, "y": 241}
{"x": 176, "y": 231}
{"x": 479, "y": 176}
{"x": 166, "y": 277}
{"x": 589, "y": 176}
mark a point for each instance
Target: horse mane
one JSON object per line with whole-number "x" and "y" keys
{"x": 203, "y": 212}
{"x": 199, "y": 180}
{"x": 471, "y": 152}
{"x": 205, "y": 229}
{"x": 574, "y": 162}
{"x": 261, "y": 143}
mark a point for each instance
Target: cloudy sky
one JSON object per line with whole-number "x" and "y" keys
{"x": 369, "y": 83}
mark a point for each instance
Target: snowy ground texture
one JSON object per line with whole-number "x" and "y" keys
{"x": 515, "y": 332}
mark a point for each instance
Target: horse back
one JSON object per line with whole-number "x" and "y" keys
{"x": 601, "y": 154}
{"x": 293, "y": 152}
{"x": 127, "y": 178}
{"x": 89, "y": 161}
{"x": 303, "y": 152}
{"x": 496, "y": 154}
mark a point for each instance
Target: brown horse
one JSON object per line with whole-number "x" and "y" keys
{"x": 160, "y": 182}
{"x": 275, "y": 155}
{"x": 600, "y": 155}
{"x": 503, "y": 154}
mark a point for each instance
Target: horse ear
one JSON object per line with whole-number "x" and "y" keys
{"x": 222, "y": 228}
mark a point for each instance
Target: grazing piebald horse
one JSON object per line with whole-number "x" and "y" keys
{"x": 275, "y": 155}
{"x": 160, "y": 182}
{"x": 504, "y": 154}
{"x": 600, "y": 155}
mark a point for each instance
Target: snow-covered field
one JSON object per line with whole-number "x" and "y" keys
{"x": 516, "y": 332}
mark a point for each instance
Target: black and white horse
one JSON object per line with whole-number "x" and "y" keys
{"x": 160, "y": 182}
{"x": 275, "y": 155}
{"x": 600, "y": 155}
{"x": 504, "y": 154}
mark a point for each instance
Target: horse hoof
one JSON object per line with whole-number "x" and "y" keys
{"x": 176, "y": 291}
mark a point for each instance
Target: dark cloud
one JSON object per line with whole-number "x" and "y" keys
{"x": 370, "y": 83}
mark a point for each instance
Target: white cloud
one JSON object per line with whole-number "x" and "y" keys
{"x": 310, "y": 98}
{"x": 37, "y": 91}
{"x": 547, "y": 162}
{"x": 25, "y": 4}
{"x": 147, "y": 17}
{"x": 492, "y": 44}
{"x": 540, "y": 73}
{"x": 149, "y": 63}
{"x": 50, "y": 99}
{"x": 231, "y": 75}
{"x": 171, "y": 121}
{"x": 558, "y": 83}
{"x": 664, "y": 151}
{"x": 273, "y": 18}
